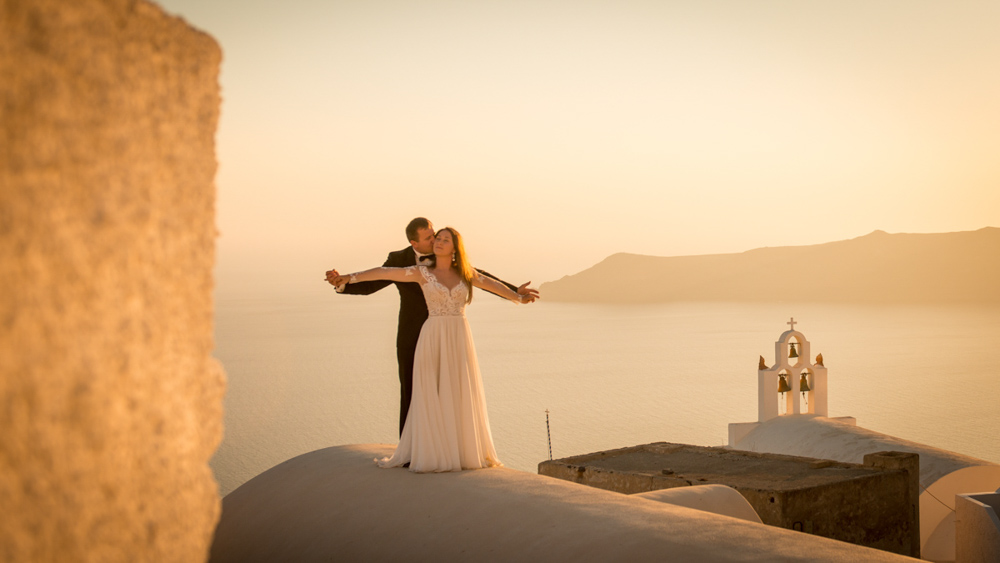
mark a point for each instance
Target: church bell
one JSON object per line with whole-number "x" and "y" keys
{"x": 793, "y": 353}
{"x": 783, "y": 385}
{"x": 804, "y": 384}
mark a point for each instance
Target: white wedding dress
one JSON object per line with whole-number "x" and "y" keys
{"x": 446, "y": 428}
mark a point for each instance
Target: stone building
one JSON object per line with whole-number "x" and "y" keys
{"x": 872, "y": 504}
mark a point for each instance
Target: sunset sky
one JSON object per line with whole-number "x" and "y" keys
{"x": 555, "y": 133}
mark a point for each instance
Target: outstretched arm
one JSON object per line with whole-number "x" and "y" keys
{"x": 493, "y": 286}
{"x": 334, "y": 278}
{"x": 369, "y": 287}
{"x": 402, "y": 275}
{"x": 363, "y": 288}
{"x": 523, "y": 290}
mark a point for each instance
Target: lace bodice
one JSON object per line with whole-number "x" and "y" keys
{"x": 440, "y": 300}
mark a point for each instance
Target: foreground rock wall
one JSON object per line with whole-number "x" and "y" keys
{"x": 110, "y": 403}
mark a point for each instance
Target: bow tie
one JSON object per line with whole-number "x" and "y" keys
{"x": 425, "y": 258}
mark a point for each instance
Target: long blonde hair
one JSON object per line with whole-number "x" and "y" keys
{"x": 461, "y": 260}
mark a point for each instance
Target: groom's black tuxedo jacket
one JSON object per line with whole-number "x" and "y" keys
{"x": 412, "y": 314}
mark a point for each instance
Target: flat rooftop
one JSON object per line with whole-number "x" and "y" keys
{"x": 700, "y": 464}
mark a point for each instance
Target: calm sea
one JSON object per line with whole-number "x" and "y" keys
{"x": 310, "y": 372}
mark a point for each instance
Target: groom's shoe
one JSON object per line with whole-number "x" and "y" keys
{"x": 405, "y": 465}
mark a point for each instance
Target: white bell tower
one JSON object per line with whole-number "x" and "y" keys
{"x": 791, "y": 386}
{"x": 803, "y": 383}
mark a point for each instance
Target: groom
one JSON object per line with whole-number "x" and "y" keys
{"x": 412, "y": 306}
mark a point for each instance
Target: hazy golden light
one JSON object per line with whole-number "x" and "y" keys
{"x": 554, "y": 134}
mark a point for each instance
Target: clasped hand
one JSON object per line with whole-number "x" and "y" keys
{"x": 335, "y": 279}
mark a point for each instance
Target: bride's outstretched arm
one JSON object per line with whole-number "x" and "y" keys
{"x": 388, "y": 274}
{"x": 493, "y": 286}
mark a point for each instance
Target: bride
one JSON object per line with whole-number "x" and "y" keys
{"x": 446, "y": 428}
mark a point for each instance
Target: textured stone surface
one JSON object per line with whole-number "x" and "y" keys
{"x": 872, "y": 505}
{"x": 110, "y": 402}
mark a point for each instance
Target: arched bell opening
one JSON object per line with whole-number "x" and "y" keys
{"x": 785, "y": 390}
{"x": 805, "y": 387}
{"x": 794, "y": 351}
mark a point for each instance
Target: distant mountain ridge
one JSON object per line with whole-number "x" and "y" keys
{"x": 960, "y": 267}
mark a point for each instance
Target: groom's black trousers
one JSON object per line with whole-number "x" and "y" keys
{"x": 405, "y": 359}
{"x": 407, "y": 336}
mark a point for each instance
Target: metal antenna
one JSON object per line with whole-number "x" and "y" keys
{"x": 548, "y": 431}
